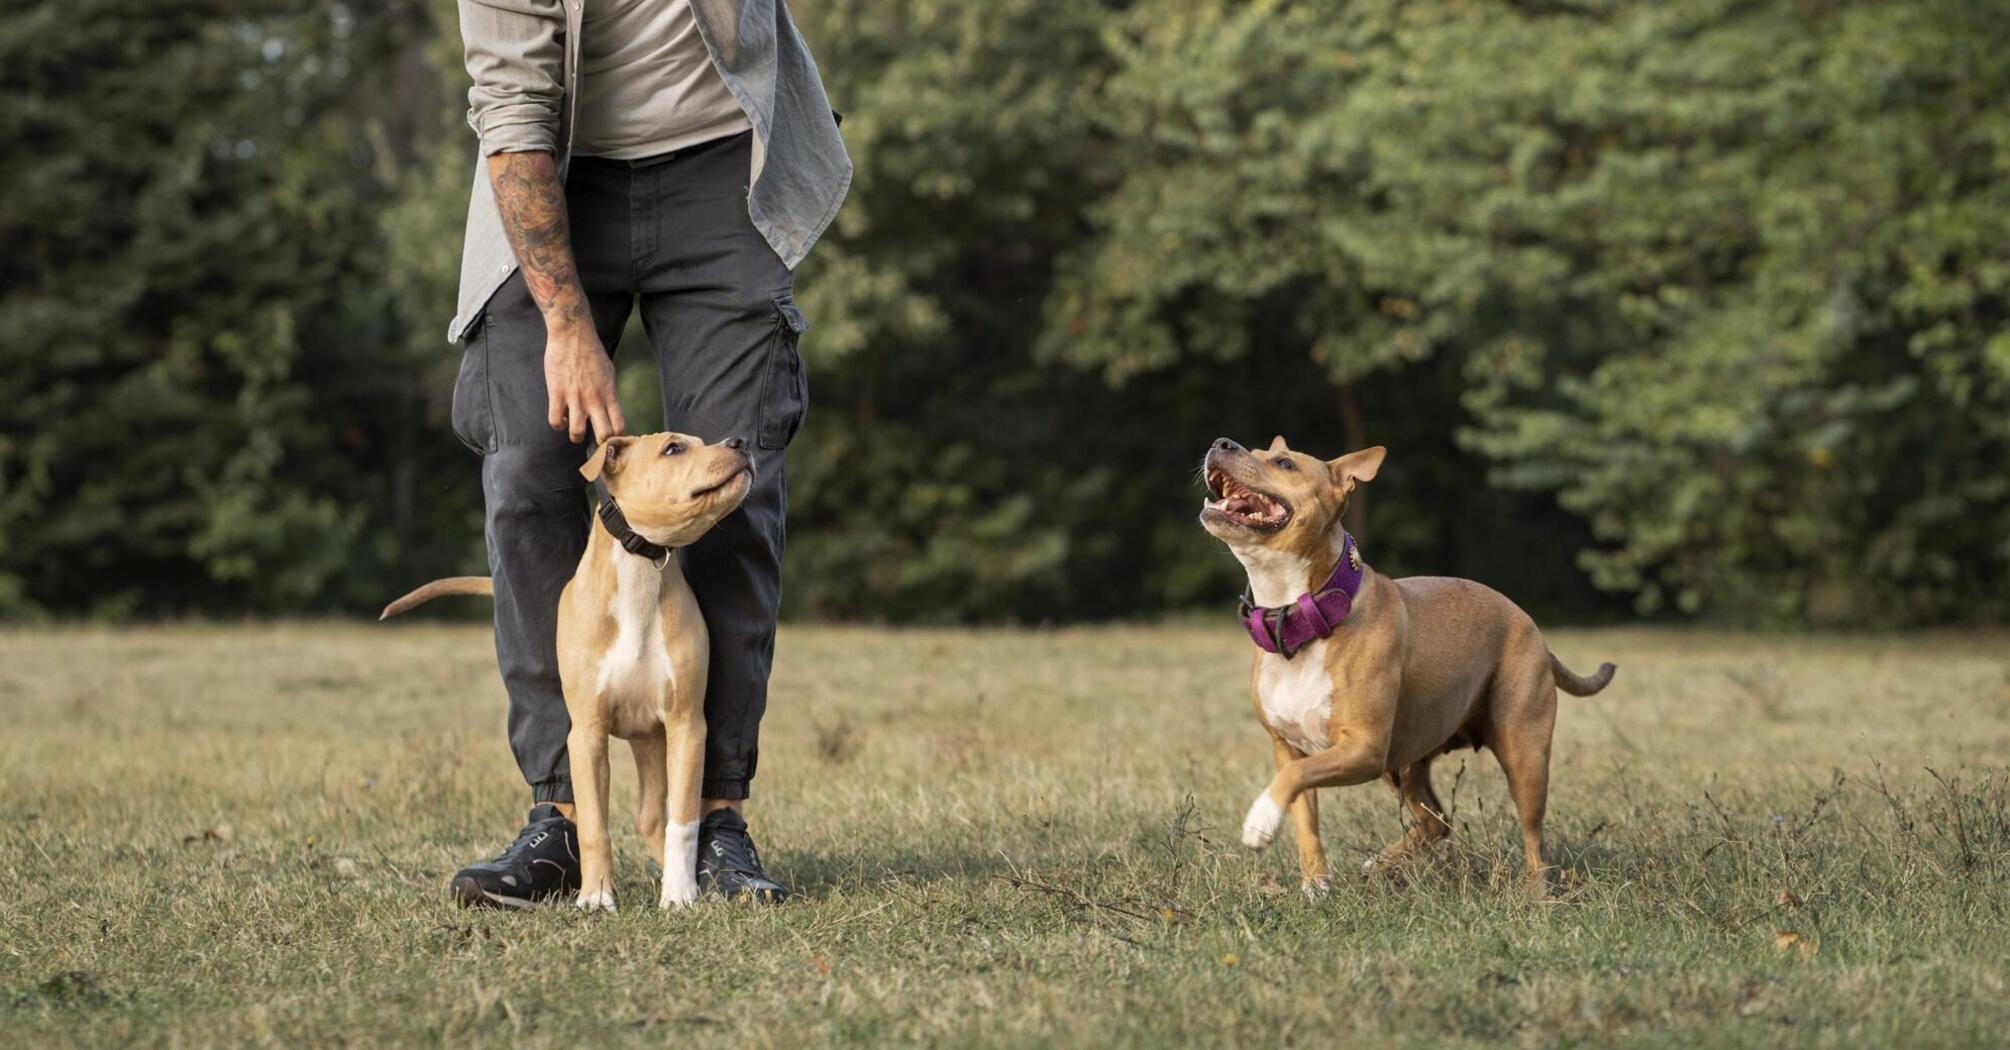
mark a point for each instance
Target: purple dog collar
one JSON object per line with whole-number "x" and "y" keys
{"x": 1288, "y": 629}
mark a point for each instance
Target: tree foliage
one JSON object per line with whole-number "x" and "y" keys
{"x": 1694, "y": 307}
{"x": 208, "y": 399}
{"x": 1728, "y": 278}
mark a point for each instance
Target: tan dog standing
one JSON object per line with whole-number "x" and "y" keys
{"x": 1358, "y": 676}
{"x": 632, "y": 648}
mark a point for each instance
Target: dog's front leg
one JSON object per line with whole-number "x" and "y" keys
{"x": 587, "y": 746}
{"x": 1355, "y": 758}
{"x": 651, "y": 793}
{"x": 1304, "y": 825}
{"x": 685, "y": 760}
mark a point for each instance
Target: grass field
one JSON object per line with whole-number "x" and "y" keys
{"x": 242, "y": 834}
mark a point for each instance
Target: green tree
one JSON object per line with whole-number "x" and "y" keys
{"x": 1801, "y": 410}
{"x": 1701, "y": 304}
{"x": 925, "y": 484}
{"x": 199, "y": 355}
{"x": 1725, "y": 277}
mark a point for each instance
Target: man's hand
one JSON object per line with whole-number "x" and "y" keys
{"x": 579, "y": 381}
{"x": 578, "y": 375}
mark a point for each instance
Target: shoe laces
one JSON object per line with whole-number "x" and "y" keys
{"x": 733, "y": 849}
{"x": 529, "y": 838}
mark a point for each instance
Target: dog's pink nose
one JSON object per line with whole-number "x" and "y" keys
{"x": 736, "y": 443}
{"x": 1225, "y": 445}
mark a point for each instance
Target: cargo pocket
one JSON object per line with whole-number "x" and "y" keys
{"x": 474, "y": 406}
{"x": 785, "y": 392}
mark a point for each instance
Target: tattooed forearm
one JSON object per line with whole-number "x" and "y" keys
{"x": 532, "y": 203}
{"x": 578, "y": 373}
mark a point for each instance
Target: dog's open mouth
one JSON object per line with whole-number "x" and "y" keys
{"x": 747, "y": 469}
{"x": 1243, "y": 505}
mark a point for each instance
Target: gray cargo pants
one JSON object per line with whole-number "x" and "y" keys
{"x": 671, "y": 233}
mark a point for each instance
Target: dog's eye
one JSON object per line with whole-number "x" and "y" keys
{"x": 1285, "y": 463}
{"x": 675, "y": 448}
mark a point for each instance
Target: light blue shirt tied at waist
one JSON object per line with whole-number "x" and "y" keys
{"x": 524, "y": 57}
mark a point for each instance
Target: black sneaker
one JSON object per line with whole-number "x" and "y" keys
{"x": 543, "y": 861}
{"x": 728, "y": 864}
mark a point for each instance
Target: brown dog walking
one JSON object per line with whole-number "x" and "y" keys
{"x": 1358, "y": 676}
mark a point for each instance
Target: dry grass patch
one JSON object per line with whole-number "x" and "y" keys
{"x": 242, "y": 834}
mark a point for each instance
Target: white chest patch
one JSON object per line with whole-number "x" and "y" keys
{"x": 637, "y": 665}
{"x": 1296, "y": 694}
{"x": 1297, "y": 697}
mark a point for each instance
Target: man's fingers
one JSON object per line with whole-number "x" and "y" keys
{"x": 576, "y": 404}
{"x": 603, "y": 427}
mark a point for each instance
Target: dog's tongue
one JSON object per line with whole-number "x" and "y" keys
{"x": 1240, "y": 505}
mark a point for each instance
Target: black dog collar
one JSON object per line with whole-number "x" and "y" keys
{"x": 617, "y": 526}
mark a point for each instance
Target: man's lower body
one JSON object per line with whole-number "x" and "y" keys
{"x": 669, "y": 235}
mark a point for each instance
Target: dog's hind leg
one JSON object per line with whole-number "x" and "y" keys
{"x": 1427, "y": 818}
{"x": 684, "y": 773}
{"x": 650, "y": 791}
{"x": 587, "y": 746}
{"x": 1527, "y": 769}
{"x": 1522, "y": 716}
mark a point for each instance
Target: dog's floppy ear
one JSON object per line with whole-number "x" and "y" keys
{"x": 1277, "y": 445}
{"x": 1356, "y": 467}
{"x": 606, "y": 459}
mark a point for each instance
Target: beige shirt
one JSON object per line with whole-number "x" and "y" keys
{"x": 646, "y": 82}
{"x": 524, "y": 58}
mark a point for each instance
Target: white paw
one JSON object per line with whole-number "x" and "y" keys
{"x": 680, "y": 865}
{"x": 1313, "y": 889}
{"x": 1260, "y": 826}
{"x": 599, "y": 901}
{"x": 678, "y": 891}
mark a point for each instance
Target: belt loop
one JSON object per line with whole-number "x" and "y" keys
{"x": 1313, "y": 613}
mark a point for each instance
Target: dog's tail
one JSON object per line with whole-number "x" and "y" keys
{"x": 437, "y": 588}
{"x": 1576, "y": 684}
